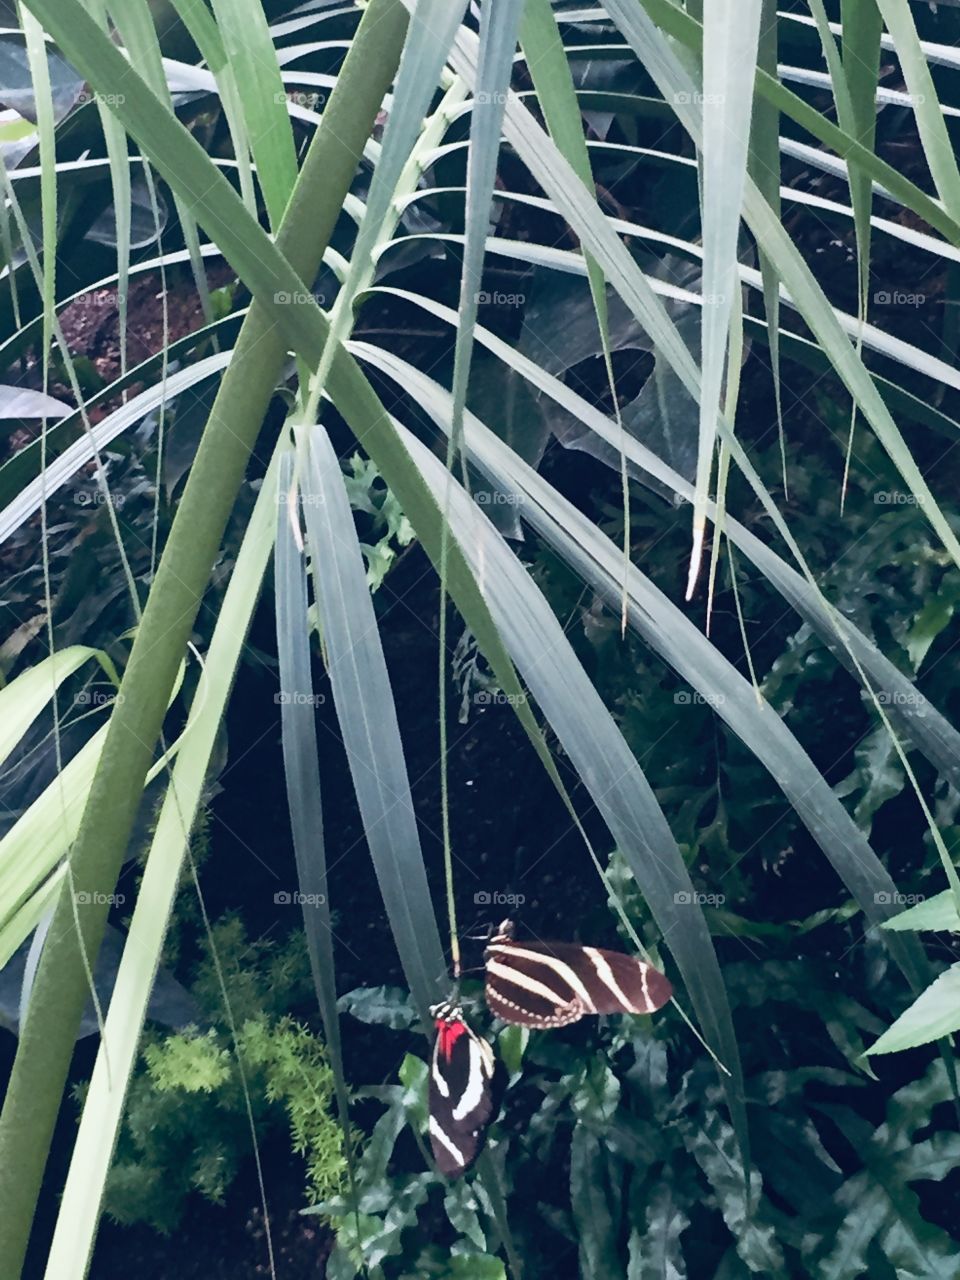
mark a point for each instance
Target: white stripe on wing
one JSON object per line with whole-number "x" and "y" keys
{"x": 438, "y": 1135}
{"x": 472, "y": 1095}
{"x": 606, "y": 976}
{"x": 557, "y": 967}
{"x": 442, "y": 1087}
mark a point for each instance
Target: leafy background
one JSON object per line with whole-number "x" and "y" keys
{"x": 618, "y": 1149}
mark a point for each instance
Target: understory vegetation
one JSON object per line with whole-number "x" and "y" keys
{"x": 464, "y": 461}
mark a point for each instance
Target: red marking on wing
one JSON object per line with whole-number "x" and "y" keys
{"x": 448, "y": 1033}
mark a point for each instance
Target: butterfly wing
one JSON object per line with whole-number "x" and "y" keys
{"x": 463, "y": 1094}
{"x": 538, "y": 984}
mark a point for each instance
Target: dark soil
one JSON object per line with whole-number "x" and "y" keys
{"x": 91, "y": 328}
{"x": 226, "y": 1242}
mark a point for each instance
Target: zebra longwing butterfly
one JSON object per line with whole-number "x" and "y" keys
{"x": 465, "y": 1088}
{"x": 550, "y": 984}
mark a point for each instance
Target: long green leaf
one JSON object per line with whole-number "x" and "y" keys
{"x": 938, "y": 914}
{"x": 610, "y": 772}
{"x": 301, "y": 767}
{"x": 267, "y": 273}
{"x": 684, "y": 28}
{"x": 284, "y": 297}
{"x": 253, "y": 63}
{"x": 764, "y": 168}
{"x": 22, "y": 700}
{"x": 46, "y": 1042}
{"x": 134, "y": 21}
{"x": 66, "y": 465}
{"x": 683, "y": 646}
{"x": 499, "y": 25}
{"x": 75, "y": 1232}
{"x": 116, "y": 144}
{"x": 433, "y": 25}
{"x": 206, "y": 35}
{"x": 937, "y": 144}
{"x": 862, "y": 27}
{"x": 903, "y": 702}
{"x": 730, "y": 35}
{"x": 798, "y": 280}
{"x": 934, "y": 1013}
{"x": 368, "y": 722}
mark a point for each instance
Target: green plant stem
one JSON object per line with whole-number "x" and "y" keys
{"x": 60, "y": 991}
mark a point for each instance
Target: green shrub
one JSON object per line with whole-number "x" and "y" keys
{"x": 186, "y": 1127}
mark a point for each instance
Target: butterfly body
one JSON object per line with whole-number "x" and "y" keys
{"x": 464, "y": 1090}
{"x": 551, "y": 984}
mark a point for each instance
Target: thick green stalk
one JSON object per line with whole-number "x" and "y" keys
{"x": 60, "y": 990}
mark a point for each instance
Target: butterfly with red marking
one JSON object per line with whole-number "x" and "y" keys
{"x": 550, "y": 984}
{"x": 466, "y": 1083}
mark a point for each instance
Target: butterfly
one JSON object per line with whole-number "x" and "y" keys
{"x": 466, "y": 1083}
{"x": 550, "y": 984}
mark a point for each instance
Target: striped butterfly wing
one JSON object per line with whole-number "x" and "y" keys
{"x": 535, "y": 984}
{"x": 464, "y": 1092}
